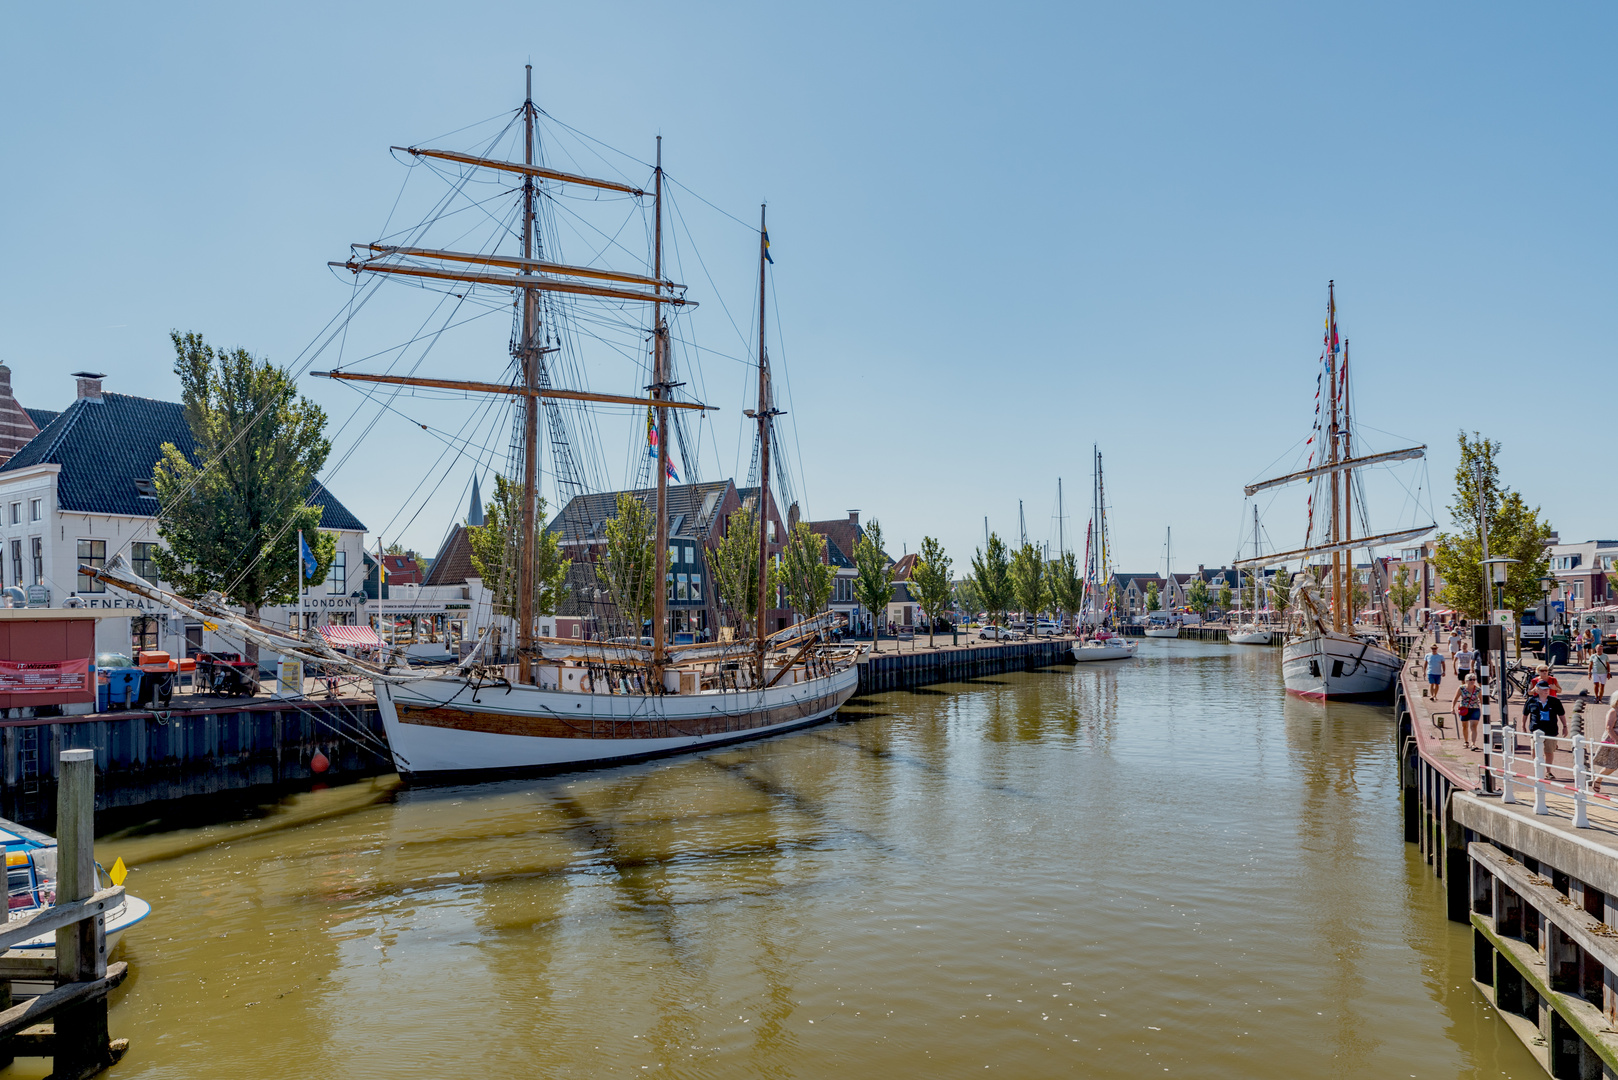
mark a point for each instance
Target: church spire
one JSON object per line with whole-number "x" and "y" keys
{"x": 474, "y": 512}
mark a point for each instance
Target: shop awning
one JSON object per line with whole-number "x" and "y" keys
{"x": 351, "y": 637}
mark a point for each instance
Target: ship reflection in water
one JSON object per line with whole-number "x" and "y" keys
{"x": 1165, "y": 866}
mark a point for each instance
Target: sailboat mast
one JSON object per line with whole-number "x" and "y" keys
{"x": 1348, "y": 500}
{"x": 530, "y": 423}
{"x": 764, "y": 413}
{"x": 660, "y": 390}
{"x": 1061, "y": 538}
{"x": 1332, "y": 456}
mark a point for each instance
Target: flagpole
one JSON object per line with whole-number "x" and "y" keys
{"x": 302, "y": 582}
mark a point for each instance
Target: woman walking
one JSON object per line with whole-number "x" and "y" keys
{"x": 1606, "y": 756}
{"x": 1599, "y": 667}
{"x": 1468, "y": 707}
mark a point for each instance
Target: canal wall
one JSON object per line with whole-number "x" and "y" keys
{"x": 143, "y": 758}
{"x": 1539, "y": 891}
{"x": 901, "y": 670}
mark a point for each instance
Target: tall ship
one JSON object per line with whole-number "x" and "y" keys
{"x": 539, "y": 703}
{"x": 1097, "y": 639}
{"x": 1326, "y": 655}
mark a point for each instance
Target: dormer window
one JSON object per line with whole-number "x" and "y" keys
{"x": 146, "y": 488}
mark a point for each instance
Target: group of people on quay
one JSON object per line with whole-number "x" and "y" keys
{"x": 1542, "y": 709}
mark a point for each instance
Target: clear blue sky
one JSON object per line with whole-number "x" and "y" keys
{"x": 1002, "y": 232}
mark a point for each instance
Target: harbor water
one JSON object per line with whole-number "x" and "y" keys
{"x": 1156, "y": 867}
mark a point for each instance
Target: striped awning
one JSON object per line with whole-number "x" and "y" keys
{"x": 351, "y": 637}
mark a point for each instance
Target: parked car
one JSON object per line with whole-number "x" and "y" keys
{"x": 999, "y": 633}
{"x": 1047, "y": 628}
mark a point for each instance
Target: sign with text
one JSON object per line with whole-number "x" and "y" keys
{"x": 39, "y": 596}
{"x": 44, "y": 677}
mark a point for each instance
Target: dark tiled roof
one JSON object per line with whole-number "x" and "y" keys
{"x": 41, "y": 417}
{"x": 834, "y": 554}
{"x": 453, "y": 563}
{"x": 582, "y": 517}
{"x": 106, "y": 445}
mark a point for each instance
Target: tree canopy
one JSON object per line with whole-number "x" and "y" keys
{"x": 496, "y": 538}
{"x": 930, "y": 581}
{"x": 991, "y": 577}
{"x": 1030, "y": 586}
{"x": 232, "y": 524}
{"x": 1067, "y": 584}
{"x": 733, "y": 562}
{"x": 1516, "y": 531}
{"x": 873, "y": 581}
{"x": 628, "y": 562}
{"x": 1197, "y": 596}
{"x": 805, "y": 576}
{"x": 1152, "y": 600}
{"x": 1403, "y": 593}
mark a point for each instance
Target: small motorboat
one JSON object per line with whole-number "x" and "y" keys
{"x": 1172, "y": 630}
{"x": 31, "y": 886}
{"x": 1248, "y": 634}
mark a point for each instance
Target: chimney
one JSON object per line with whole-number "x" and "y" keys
{"x": 853, "y": 517}
{"x": 16, "y": 427}
{"x": 89, "y": 384}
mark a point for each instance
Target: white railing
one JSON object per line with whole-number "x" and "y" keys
{"x": 1581, "y": 788}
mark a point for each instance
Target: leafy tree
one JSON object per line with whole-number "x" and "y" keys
{"x": 1067, "y": 584}
{"x": 805, "y": 575}
{"x": 1029, "y": 583}
{"x": 1152, "y": 600}
{"x": 734, "y": 565}
{"x": 1225, "y": 596}
{"x": 232, "y": 524}
{"x": 1403, "y": 593}
{"x": 1197, "y": 598}
{"x": 492, "y": 541}
{"x": 628, "y": 562}
{"x": 991, "y": 577}
{"x": 873, "y": 581}
{"x": 966, "y": 596}
{"x": 1516, "y": 531}
{"x": 1281, "y": 590}
{"x": 931, "y": 582}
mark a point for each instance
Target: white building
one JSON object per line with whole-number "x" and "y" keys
{"x": 80, "y": 491}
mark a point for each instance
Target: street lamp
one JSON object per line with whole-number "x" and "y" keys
{"x": 1498, "y": 569}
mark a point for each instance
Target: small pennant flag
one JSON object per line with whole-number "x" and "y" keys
{"x": 118, "y": 872}
{"x": 767, "y": 256}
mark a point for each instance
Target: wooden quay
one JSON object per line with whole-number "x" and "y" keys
{"x": 1536, "y": 880}
{"x": 67, "y": 1024}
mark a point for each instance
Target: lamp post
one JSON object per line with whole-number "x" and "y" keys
{"x": 1495, "y": 681}
{"x": 1547, "y": 585}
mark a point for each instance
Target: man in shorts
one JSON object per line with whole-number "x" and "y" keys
{"x": 1465, "y": 661}
{"x": 1599, "y": 667}
{"x": 1435, "y": 671}
{"x": 1544, "y": 713}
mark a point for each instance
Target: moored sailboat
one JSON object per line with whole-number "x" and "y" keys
{"x": 1325, "y": 658}
{"x": 1255, "y": 628}
{"x": 1097, "y": 640}
{"x": 1171, "y": 627}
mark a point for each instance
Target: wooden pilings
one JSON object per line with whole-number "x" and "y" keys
{"x": 77, "y": 1040}
{"x": 900, "y": 670}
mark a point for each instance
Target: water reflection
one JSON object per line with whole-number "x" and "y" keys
{"x": 1159, "y": 865}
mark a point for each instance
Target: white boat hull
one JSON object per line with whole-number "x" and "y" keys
{"x": 1337, "y": 666}
{"x": 441, "y": 726}
{"x": 121, "y": 918}
{"x": 1111, "y": 649}
{"x": 1163, "y": 631}
{"x": 1248, "y": 637}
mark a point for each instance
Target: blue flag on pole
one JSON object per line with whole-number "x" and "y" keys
{"x": 307, "y": 557}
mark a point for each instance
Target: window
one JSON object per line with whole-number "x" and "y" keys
{"x": 690, "y": 553}
{"x": 696, "y": 586}
{"x": 92, "y": 553}
{"x": 142, "y": 634}
{"x": 1410, "y": 554}
{"x": 38, "y": 552}
{"x": 140, "y": 560}
{"x": 16, "y": 513}
{"x": 16, "y": 562}
{"x": 36, "y": 509}
{"x": 337, "y": 576}
{"x": 671, "y": 586}
{"x": 682, "y": 588}
{"x": 772, "y": 530}
{"x": 674, "y": 554}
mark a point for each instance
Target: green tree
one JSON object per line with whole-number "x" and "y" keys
{"x": 1197, "y": 596}
{"x": 733, "y": 563}
{"x": 496, "y": 538}
{"x": 1281, "y": 591}
{"x": 1029, "y": 583}
{"x": 1516, "y": 531}
{"x": 232, "y": 524}
{"x": 805, "y": 576}
{"x": 1403, "y": 593}
{"x": 991, "y": 577}
{"x": 873, "y": 581}
{"x": 1067, "y": 585}
{"x": 628, "y": 562}
{"x": 966, "y": 597}
{"x": 1225, "y": 596}
{"x": 931, "y": 583}
{"x": 1152, "y": 600}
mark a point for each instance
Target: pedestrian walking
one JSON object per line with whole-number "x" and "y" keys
{"x": 1606, "y": 755}
{"x": 1465, "y": 661}
{"x": 1468, "y": 706}
{"x": 1599, "y": 667}
{"x": 1456, "y": 642}
{"x": 1544, "y": 714}
{"x": 1435, "y": 671}
{"x": 1543, "y": 674}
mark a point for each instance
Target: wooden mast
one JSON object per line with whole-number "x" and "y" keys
{"x": 660, "y": 390}
{"x": 764, "y": 414}
{"x": 1349, "y": 603}
{"x": 530, "y": 406}
{"x": 1331, "y": 454}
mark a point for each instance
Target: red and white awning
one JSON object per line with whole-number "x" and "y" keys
{"x": 352, "y": 637}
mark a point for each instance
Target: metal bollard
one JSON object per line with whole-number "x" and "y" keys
{"x": 1539, "y": 773}
{"x": 1580, "y": 783}
{"x": 1508, "y": 758}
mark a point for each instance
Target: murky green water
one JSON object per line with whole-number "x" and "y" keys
{"x": 1161, "y": 867}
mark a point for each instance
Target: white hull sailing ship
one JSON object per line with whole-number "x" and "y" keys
{"x": 1098, "y": 641}
{"x": 1325, "y": 657}
{"x": 572, "y": 703}
{"x": 1170, "y": 629}
{"x": 1254, "y": 629}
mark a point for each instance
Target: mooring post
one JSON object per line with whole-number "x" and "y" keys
{"x": 82, "y": 1046}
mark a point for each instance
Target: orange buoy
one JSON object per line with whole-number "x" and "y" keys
{"x": 320, "y": 762}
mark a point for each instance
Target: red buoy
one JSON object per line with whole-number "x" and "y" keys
{"x": 320, "y": 762}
